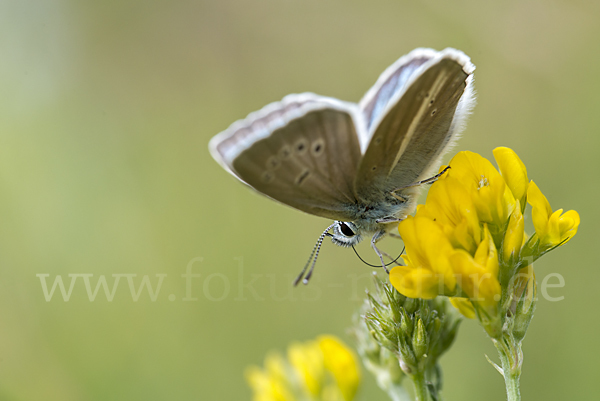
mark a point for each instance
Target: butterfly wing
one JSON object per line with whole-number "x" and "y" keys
{"x": 303, "y": 151}
{"x": 414, "y": 112}
{"x": 392, "y": 82}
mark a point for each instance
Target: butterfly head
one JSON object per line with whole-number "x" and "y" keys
{"x": 346, "y": 234}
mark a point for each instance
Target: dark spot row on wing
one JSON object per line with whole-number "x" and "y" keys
{"x": 275, "y": 161}
{"x": 317, "y": 147}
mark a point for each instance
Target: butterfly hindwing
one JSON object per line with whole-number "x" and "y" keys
{"x": 303, "y": 152}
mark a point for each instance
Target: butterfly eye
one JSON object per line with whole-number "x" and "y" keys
{"x": 346, "y": 230}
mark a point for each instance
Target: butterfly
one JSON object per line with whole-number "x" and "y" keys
{"x": 361, "y": 165}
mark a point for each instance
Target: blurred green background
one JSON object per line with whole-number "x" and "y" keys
{"x": 106, "y": 111}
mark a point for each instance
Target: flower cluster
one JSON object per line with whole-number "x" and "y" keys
{"x": 320, "y": 370}
{"x": 415, "y": 331}
{"x": 468, "y": 241}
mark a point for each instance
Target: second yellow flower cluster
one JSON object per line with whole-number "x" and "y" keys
{"x": 324, "y": 369}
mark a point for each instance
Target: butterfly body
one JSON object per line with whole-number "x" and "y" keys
{"x": 355, "y": 163}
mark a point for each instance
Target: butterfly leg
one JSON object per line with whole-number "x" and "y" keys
{"x": 376, "y": 237}
{"x": 394, "y": 260}
{"x": 429, "y": 180}
{"x": 390, "y": 257}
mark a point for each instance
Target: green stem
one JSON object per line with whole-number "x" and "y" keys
{"x": 511, "y": 358}
{"x": 421, "y": 392}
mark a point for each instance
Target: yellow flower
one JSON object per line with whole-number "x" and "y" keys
{"x": 468, "y": 240}
{"x": 342, "y": 363}
{"x": 450, "y": 205}
{"x": 513, "y": 239}
{"x": 270, "y": 383}
{"x": 427, "y": 272}
{"x": 514, "y": 173}
{"x": 477, "y": 275}
{"x": 551, "y": 228}
{"x": 491, "y": 196}
{"x": 307, "y": 360}
{"x": 319, "y": 370}
{"x": 464, "y": 306}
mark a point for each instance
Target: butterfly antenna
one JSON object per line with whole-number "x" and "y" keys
{"x": 368, "y": 264}
{"x": 313, "y": 258}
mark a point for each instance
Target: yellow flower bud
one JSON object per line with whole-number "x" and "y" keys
{"x": 513, "y": 239}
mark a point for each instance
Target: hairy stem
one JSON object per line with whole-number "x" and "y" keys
{"x": 511, "y": 358}
{"x": 421, "y": 392}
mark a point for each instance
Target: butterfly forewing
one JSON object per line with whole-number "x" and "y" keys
{"x": 303, "y": 152}
{"x": 409, "y": 137}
